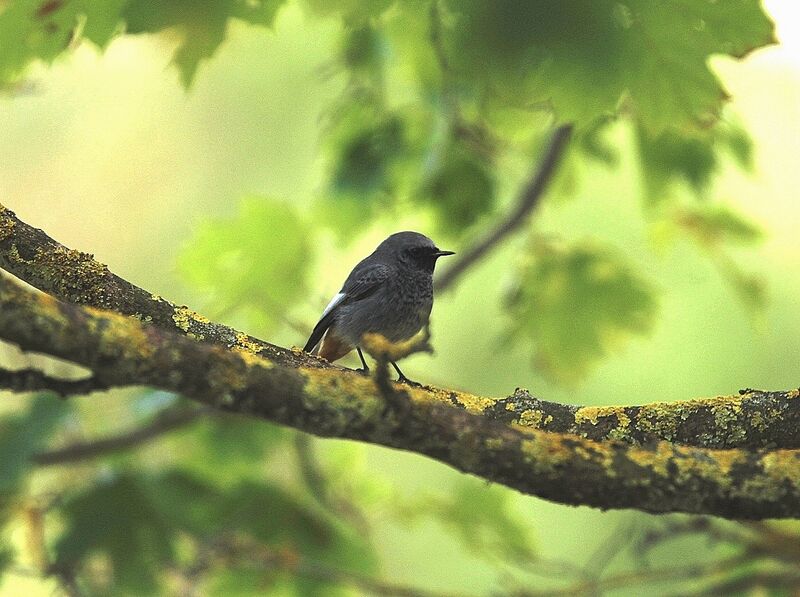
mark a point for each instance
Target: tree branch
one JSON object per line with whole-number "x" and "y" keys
{"x": 76, "y": 277}
{"x": 757, "y": 419}
{"x": 334, "y": 403}
{"x": 752, "y": 419}
{"x": 167, "y": 420}
{"x": 528, "y": 200}
{"x": 33, "y": 380}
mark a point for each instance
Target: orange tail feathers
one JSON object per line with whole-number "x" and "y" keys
{"x": 333, "y": 347}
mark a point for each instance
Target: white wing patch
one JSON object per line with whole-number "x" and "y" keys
{"x": 332, "y": 305}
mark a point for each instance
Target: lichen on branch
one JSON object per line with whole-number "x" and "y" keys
{"x": 659, "y": 477}
{"x": 755, "y": 420}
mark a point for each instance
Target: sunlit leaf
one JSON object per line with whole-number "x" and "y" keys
{"x": 254, "y": 264}
{"x": 577, "y": 304}
{"x": 200, "y": 24}
{"x": 712, "y": 224}
{"x": 671, "y": 156}
{"x": 33, "y": 30}
{"x": 6, "y": 557}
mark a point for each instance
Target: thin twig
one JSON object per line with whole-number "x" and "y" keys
{"x": 682, "y": 574}
{"x": 167, "y": 420}
{"x": 240, "y": 550}
{"x": 528, "y": 200}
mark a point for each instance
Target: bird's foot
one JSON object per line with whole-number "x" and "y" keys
{"x": 408, "y": 382}
{"x": 363, "y": 371}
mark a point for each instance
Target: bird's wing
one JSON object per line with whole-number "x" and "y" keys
{"x": 362, "y": 282}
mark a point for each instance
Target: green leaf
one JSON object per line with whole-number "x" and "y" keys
{"x": 673, "y": 156}
{"x": 670, "y": 157}
{"x": 254, "y": 264}
{"x": 712, "y": 224}
{"x": 22, "y": 435}
{"x": 118, "y": 519}
{"x": 271, "y": 516}
{"x": 461, "y": 187}
{"x": 367, "y": 144}
{"x": 256, "y": 12}
{"x": 483, "y": 518}
{"x": 578, "y": 304}
{"x": 230, "y": 448}
{"x": 43, "y": 29}
{"x": 201, "y": 24}
{"x": 582, "y": 58}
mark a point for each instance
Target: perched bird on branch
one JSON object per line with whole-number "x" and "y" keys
{"x": 390, "y": 293}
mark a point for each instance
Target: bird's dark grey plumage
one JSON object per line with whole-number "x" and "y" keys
{"x": 389, "y": 292}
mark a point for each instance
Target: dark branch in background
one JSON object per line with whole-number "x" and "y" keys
{"x": 638, "y": 578}
{"x": 660, "y": 477}
{"x": 528, "y": 200}
{"x": 167, "y": 420}
{"x": 241, "y": 551}
{"x": 33, "y": 380}
{"x": 751, "y": 556}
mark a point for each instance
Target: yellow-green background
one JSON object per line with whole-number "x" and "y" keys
{"x": 109, "y": 154}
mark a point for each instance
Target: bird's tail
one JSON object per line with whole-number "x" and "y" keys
{"x": 318, "y": 331}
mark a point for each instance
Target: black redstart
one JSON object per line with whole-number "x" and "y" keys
{"x": 388, "y": 293}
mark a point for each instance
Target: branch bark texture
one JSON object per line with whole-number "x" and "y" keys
{"x": 539, "y": 448}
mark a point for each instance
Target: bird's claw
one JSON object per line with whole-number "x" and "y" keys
{"x": 409, "y": 382}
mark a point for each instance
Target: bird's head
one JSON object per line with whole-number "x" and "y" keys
{"x": 413, "y": 250}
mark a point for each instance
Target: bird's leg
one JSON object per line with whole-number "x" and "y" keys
{"x": 364, "y": 369}
{"x": 402, "y": 378}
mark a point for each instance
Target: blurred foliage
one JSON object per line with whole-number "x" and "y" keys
{"x": 578, "y": 302}
{"x": 21, "y": 436}
{"x": 33, "y": 30}
{"x": 670, "y": 157}
{"x": 167, "y": 518}
{"x": 498, "y": 533}
{"x": 446, "y": 106}
{"x": 254, "y": 264}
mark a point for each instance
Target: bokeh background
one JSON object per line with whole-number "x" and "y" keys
{"x": 205, "y": 195}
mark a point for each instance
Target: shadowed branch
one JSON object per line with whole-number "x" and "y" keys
{"x": 167, "y": 420}
{"x": 33, "y": 380}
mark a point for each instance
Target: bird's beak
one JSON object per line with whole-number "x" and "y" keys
{"x": 443, "y": 253}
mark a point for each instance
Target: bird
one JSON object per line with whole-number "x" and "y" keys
{"x": 389, "y": 292}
